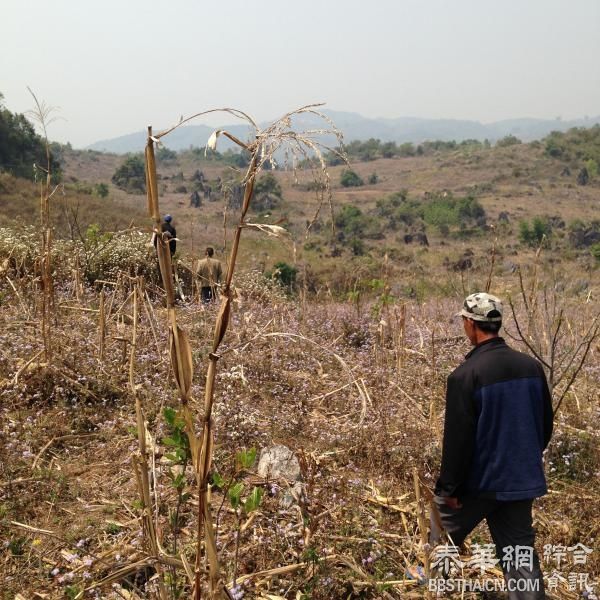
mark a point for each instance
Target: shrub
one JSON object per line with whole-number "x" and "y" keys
{"x": 508, "y": 140}
{"x": 532, "y": 235}
{"x": 102, "y": 255}
{"x": 267, "y": 184}
{"x": 351, "y": 223}
{"x": 357, "y": 246}
{"x": 441, "y": 213}
{"x": 572, "y": 458}
{"x": 398, "y": 209}
{"x": 101, "y": 189}
{"x": 350, "y": 179}
{"x": 591, "y": 166}
{"x": 260, "y": 287}
{"x": 19, "y": 249}
{"x": 106, "y": 254}
{"x": 285, "y": 275}
{"x": 267, "y": 194}
{"x": 445, "y": 211}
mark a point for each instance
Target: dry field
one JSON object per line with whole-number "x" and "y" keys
{"x": 353, "y": 385}
{"x": 355, "y": 391}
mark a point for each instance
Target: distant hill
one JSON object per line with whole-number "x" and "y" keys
{"x": 180, "y": 139}
{"x": 357, "y": 127}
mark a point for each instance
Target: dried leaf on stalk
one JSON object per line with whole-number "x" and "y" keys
{"x": 166, "y": 270}
{"x": 212, "y": 141}
{"x": 181, "y": 360}
{"x": 273, "y": 230}
{"x": 152, "y": 186}
{"x": 222, "y": 322}
{"x": 211, "y": 549}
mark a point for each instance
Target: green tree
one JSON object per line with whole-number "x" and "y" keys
{"x": 21, "y": 147}
{"x": 350, "y": 220}
{"x": 406, "y": 149}
{"x": 130, "y": 176}
{"x": 579, "y": 144}
{"x": 240, "y": 160}
{"x": 389, "y": 149}
{"x": 335, "y": 158}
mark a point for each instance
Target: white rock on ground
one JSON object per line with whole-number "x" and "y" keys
{"x": 279, "y": 462}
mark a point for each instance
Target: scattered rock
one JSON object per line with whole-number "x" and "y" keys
{"x": 556, "y": 222}
{"x": 584, "y": 237}
{"x": 583, "y": 177}
{"x": 279, "y": 462}
{"x": 463, "y": 264}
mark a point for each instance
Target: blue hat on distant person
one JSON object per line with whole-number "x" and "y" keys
{"x": 168, "y": 218}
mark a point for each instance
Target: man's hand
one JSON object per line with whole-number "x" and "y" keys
{"x": 453, "y": 503}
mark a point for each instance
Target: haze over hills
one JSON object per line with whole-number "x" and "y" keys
{"x": 357, "y": 127}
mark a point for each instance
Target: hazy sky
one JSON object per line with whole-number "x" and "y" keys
{"x": 114, "y": 67}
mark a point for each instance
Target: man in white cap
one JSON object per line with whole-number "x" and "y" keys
{"x": 498, "y": 422}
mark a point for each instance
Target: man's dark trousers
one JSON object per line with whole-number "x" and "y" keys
{"x": 207, "y": 294}
{"x": 510, "y": 524}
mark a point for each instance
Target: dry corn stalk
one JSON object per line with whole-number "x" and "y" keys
{"x": 141, "y": 462}
{"x": 101, "y": 325}
{"x": 181, "y": 362}
{"x": 267, "y": 142}
{"x": 422, "y": 527}
{"x": 42, "y": 114}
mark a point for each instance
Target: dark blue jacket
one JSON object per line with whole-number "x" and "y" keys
{"x": 498, "y": 423}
